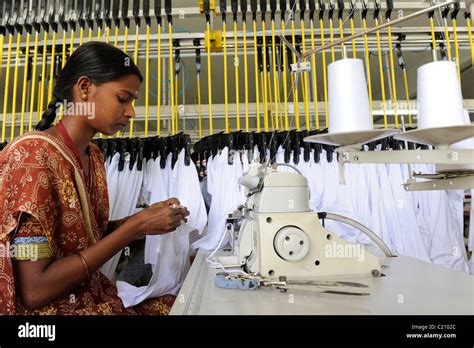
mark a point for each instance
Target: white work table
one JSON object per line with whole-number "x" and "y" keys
{"x": 410, "y": 286}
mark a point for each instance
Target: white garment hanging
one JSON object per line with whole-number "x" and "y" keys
{"x": 223, "y": 186}
{"x": 124, "y": 189}
{"x": 169, "y": 253}
{"x": 410, "y": 241}
{"x": 336, "y": 200}
{"x": 184, "y": 185}
{"x": 169, "y": 267}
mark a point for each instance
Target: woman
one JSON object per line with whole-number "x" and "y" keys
{"x": 53, "y": 196}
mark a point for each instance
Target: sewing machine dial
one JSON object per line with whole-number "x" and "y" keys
{"x": 291, "y": 243}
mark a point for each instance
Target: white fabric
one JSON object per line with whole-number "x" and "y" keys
{"x": 122, "y": 201}
{"x": 184, "y": 185}
{"x": 409, "y": 239}
{"x": 169, "y": 253}
{"x": 169, "y": 268}
{"x": 223, "y": 186}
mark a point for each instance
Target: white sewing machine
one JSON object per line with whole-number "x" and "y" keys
{"x": 276, "y": 234}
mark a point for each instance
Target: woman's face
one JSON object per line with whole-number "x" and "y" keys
{"x": 113, "y": 104}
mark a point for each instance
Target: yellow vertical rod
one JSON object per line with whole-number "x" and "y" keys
{"x": 433, "y": 38}
{"x": 269, "y": 89}
{"x": 7, "y": 86}
{"x": 125, "y": 46}
{"x": 325, "y": 75}
{"x": 158, "y": 102}
{"x": 125, "y": 39}
{"x": 51, "y": 72}
{"x": 199, "y": 105}
{"x": 236, "y": 66}
{"x": 25, "y": 84}
{"x": 331, "y": 39}
{"x": 209, "y": 80}
{"x": 367, "y": 66}
{"x": 147, "y": 78}
{"x": 116, "y": 34}
{"x": 315, "y": 82}
{"x": 15, "y": 86}
{"x": 354, "y": 51}
{"x": 107, "y": 34}
{"x": 89, "y": 37}
{"x": 33, "y": 82}
{"x": 226, "y": 95}
{"x": 382, "y": 79}
{"x": 99, "y": 33}
{"x": 257, "y": 87}
{"x": 295, "y": 94}
{"x": 456, "y": 48}
{"x": 135, "y": 59}
{"x": 43, "y": 74}
{"x": 469, "y": 33}
{"x": 275, "y": 77}
{"x": 285, "y": 83}
{"x": 446, "y": 37}
{"x": 81, "y": 36}
{"x": 246, "y": 78}
{"x": 63, "y": 62}
{"x": 265, "y": 97}
{"x": 64, "y": 47}
{"x": 171, "y": 71}
{"x": 176, "y": 108}
{"x": 71, "y": 43}
{"x": 305, "y": 81}
{"x": 392, "y": 71}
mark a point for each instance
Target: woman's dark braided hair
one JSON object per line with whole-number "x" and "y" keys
{"x": 98, "y": 61}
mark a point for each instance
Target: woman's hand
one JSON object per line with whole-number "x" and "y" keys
{"x": 174, "y": 203}
{"x": 160, "y": 218}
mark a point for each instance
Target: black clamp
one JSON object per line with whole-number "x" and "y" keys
{"x": 302, "y": 9}
{"x": 107, "y": 19}
{"x": 340, "y": 9}
{"x": 116, "y": 13}
{"x": 234, "y": 8}
{"x": 263, "y": 9}
{"x": 98, "y": 13}
{"x": 146, "y": 12}
{"x": 352, "y": 9}
{"x": 312, "y": 9}
{"x": 322, "y": 8}
{"x": 273, "y": 8}
{"x": 136, "y": 12}
{"x": 207, "y": 10}
{"x": 243, "y": 10}
{"x": 330, "y": 10}
{"x": 377, "y": 8}
{"x": 388, "y": 13}
{"x": 365, "y": 10}
{"x": 88, "y": 15}
{"x": 61, "y": 16}
{"x": 223, "y": 8}
{"x": 253, "y": 8}
{"x": 158, "y": 11}
{"x": 455, "y": 12}
{"x": 197, "y": 43}
{"x": 126, "y": 20}
{"x": 283, "y": 9}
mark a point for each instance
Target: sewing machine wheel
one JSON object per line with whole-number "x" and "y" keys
{"x": 291, "y": 243}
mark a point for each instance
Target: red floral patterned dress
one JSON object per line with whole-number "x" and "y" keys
{"x": 41, "y": 210}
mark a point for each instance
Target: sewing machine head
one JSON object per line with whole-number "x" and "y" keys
{"x": 275, "y": 233}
